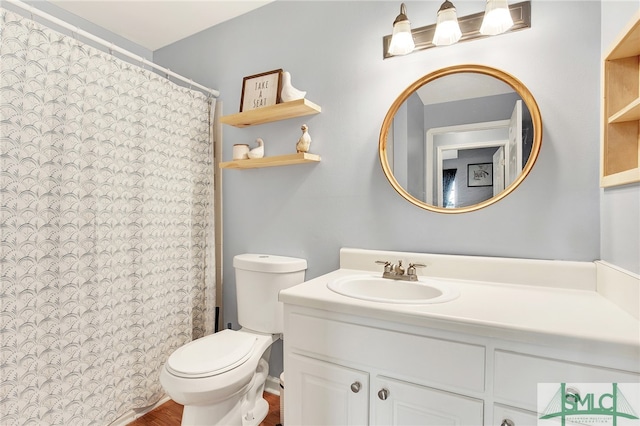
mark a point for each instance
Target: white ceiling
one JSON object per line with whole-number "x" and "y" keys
{"x": 154, "y": 24}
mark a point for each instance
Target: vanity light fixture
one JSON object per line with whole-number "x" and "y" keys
{"x": 401, "y": 39}
{"x": 497, "y": 18}
{"x": 470, "y": 26}
{"x": 447, "y": 27}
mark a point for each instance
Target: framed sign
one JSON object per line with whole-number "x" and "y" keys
{"x": 480, "y": 174}
{"x": 261, "y": 90}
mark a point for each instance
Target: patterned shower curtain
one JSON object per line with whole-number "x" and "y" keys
{"x": 106, "y": 192}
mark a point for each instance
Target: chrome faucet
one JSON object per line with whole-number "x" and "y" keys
{"x": 395, "y": 271}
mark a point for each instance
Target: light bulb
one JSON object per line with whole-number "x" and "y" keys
{"x": 447, "y": 28}
{"x": 401, "y": 38}
{"x": 497, "y": 18}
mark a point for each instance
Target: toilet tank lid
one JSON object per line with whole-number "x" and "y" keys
{"x": 268, "y": 263}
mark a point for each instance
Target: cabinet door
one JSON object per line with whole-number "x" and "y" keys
{"x": 503, "y": 414}
{"x": 321, "y": 393}
{"x": 409, "y": 404}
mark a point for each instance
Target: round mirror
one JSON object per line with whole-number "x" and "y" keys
{"x": 460, "y": 138}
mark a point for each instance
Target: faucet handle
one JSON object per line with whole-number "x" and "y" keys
{"x": 412, "y": 268}
{"x": 386, "y": 263}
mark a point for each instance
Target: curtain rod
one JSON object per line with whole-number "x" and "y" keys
{"x": 110, "y": 45}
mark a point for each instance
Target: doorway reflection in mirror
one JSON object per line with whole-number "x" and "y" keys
{"x": 449, "y": 187}
{"x": 432, "y": 134}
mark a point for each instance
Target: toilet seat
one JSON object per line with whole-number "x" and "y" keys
{"x": 211, "y": 355}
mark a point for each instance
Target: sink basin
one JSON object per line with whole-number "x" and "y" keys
{"x": 378, "y": 289}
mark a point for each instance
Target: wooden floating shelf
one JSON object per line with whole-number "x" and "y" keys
{"x": 281, "y": 111}
{"x": 279, "y": 160}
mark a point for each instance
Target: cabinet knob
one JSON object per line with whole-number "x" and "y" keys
{"x": 507, "y": 422}
{"x": 355, "y": 387}
{"x": 572, "y": 395}
{"x": 383, "y": 394}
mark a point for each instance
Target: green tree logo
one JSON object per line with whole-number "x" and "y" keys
{"x": 589, "y": 408}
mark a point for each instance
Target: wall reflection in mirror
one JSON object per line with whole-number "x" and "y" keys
{"x": 461, "y": 140}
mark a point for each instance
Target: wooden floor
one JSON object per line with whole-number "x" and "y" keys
{"x": 170, "y": 414}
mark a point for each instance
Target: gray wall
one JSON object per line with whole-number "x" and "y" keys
{"x": 334, "y": 52}
{"x": 620, "y": 206}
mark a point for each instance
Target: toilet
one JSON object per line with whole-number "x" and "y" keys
{"x": 220, "y": 378}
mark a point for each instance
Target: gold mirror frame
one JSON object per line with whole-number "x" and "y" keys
{"x": 517, "y": 86}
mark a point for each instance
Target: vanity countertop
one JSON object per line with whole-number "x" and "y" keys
{"x": 528, "y": 313}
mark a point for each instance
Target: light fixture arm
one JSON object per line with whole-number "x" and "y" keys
{"x": 402, "y": 16}
{"x": 446, "y": 5}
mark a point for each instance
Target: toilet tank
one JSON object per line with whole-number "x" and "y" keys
{"x": 259, "y": 279}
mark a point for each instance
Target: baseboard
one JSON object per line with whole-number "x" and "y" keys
{"x": 137, "y": 413}
{"x": 272, "y": 385}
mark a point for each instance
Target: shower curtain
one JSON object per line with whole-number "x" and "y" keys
{"x": 106, "y": 228}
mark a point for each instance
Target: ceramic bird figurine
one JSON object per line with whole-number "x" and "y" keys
{"x": 257, "y": 152}
{"x": 304, "y": 141}
{"x": 288, "y": 92}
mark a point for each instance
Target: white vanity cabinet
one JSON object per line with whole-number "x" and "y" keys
{"x": 344, "y": 373}
{"x": 478, "y": 359}
{"x": 344, "y": 369}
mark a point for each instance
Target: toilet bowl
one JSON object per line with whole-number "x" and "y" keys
{"x": 220, "y": 378}
{"x": 211, "y": 376}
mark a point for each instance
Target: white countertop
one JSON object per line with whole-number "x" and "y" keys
{"x": 526, "y": 312}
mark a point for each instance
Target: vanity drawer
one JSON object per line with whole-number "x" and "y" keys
{"x": 516, "y": 376}
{"x": 411, "y": 357}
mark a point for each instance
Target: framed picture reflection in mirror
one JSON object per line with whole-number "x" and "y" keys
{"x": 480, "y": 174}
